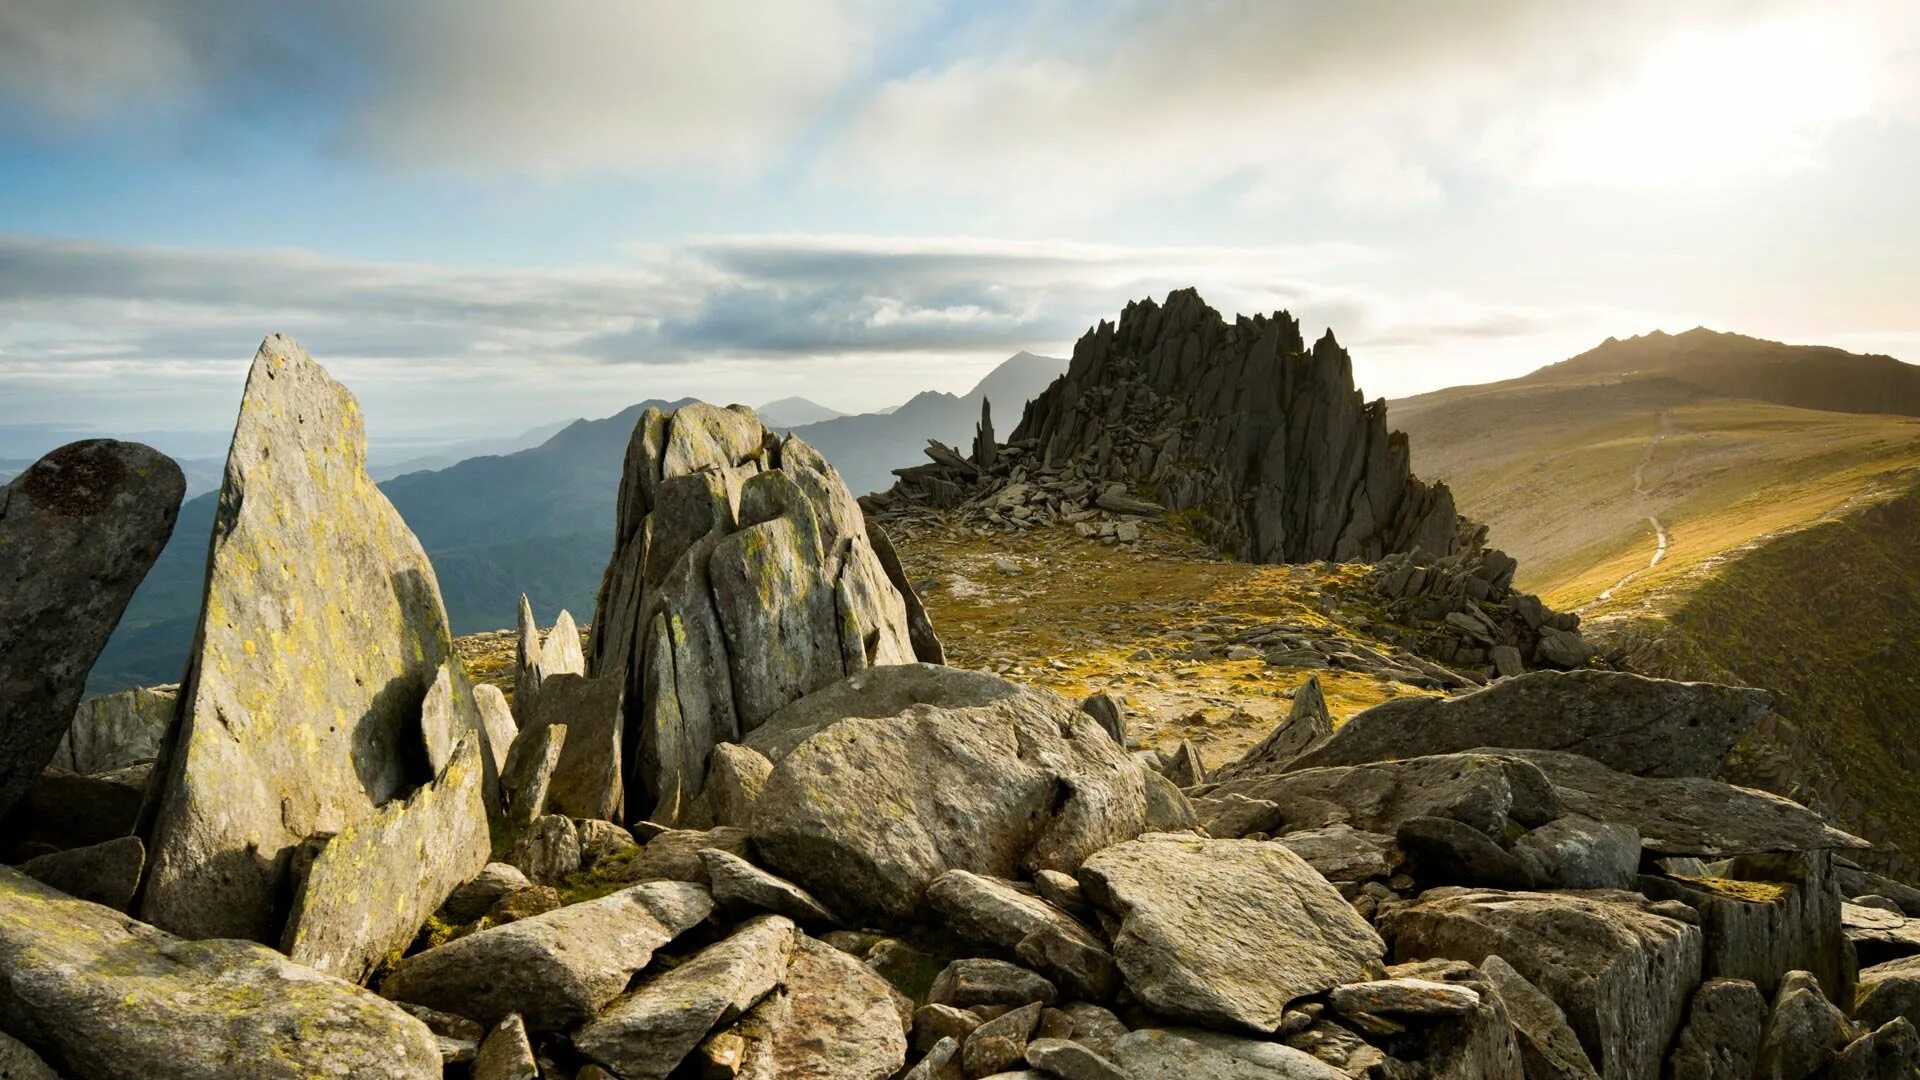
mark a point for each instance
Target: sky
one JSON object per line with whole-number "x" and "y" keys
{"x": 483, "y": 216}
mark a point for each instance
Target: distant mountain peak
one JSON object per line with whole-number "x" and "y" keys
{"x": 789, "y": 412}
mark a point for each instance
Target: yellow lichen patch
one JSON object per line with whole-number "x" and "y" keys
{"x": 1754, "y": 892}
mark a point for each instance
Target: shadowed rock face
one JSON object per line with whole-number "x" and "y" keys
{"x": 321, "y": 632}
{"x": 1267, "y": 441}
{"x": 78, "y": 530}
{"x": 743, "y": 578}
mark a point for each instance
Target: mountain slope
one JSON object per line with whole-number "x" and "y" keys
{"x": 790, "y": 412}
{"x": 1704, "y": 535}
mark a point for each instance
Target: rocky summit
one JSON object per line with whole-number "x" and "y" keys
{"x": 750, "y": 823}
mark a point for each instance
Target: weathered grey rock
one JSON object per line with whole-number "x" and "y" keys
{"x": 1630, "y": 723}
{"x": 374, "y": 883}
{"x": 1621, "y": 973}
{"x": 19, "y": 1062}
{"x": 1342, "y": 853}
{"x": 1575, "y": 852}
{"x": 1891, "y": 1052}
{"x": 1722, "y": 1038}
{"x": 81, "y": 527}
{"x": 603, "y": 840}
{"x": 1855, "y": 882}
{"x": 320, "y": 634}
{"x": 102, "y": 996}
{"x": 538, "y": 659}
{"x": 739, "y": 885}
{"x": 1000, "y": 1044}
{"x": 527, "y": 778}
{"x": 1062, "y": 891}
{"x": 1442, "y": 851}
{"x": 1308, "y": 725}
{"x": 1879, "y": 935}
{"x": 735, "y": 777}
{"x": 1109, "y": 712}
{"x": 1070, "y": 1060}
{"x": 1327, "y": 1042}
{"x": 586, "y": 781}
{"x": 1226, "y": 932}
{"x": 867, "y": 812}
{"x": 1804, "y": 1031}
{"x": 114, "y": 731}
{"x": 833, "y": 1019}
{"x": 878, "y": 693}
{"x": 941, "y": 1063}
{"x": 1888, "y": 991}
{"x": 1184, "y": 766}
{"x": 106, "y": 873}
{"x": 1767, "y": 916}
{"x": 1403, "y": 997}
{"x": 1483, "y": 790}
{"x": 1094, "y": 1026}
{"x": 996, "y": 914}
{"x": 68, "y": 810}
{"x": 458, "y": 1037}
{"x": 1269, "y": 442}
{"x": 647, "y": 1033}
{"x": 1186, "y": 1053}
{"x": 972, "y": 981}
{"x": 555, "y": 969}
{"x": 674, "y": 855}
{"x": 506, "y": 1054}
{"x": 934, "y": 1024}
{"x": 1230, "y": 817}
{"x": 496, "y": 720}
{"x": 547, "y": 850}
{"x": 1548, "y": 1047}
{"x": 743, "y": 577}
{"x": 523, "y": 904}
{"x": 472, "y": 899}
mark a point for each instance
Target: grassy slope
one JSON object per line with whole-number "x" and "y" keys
{"x": 1794, "y": 561}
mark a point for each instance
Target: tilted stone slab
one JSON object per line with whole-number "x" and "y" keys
{"x": 79, "y": 529}
{"x": 114, "y": 731}
{"x": 105, "y": 997}
{"x": 321, "y": 632}
{"x": 372, "y": 886}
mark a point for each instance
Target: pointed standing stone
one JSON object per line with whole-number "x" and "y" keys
{"x": 78, "y": 530}
{"x": 321, "y": 633}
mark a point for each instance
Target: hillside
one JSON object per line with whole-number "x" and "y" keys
{"x": 1711, "y": 536}
{"x": 538, "y": 521}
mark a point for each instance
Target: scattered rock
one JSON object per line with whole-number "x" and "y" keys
{"x": 1721, "y": 1040}
{"x": 998, "y": 915}
{"x": 1803, "y": 1031}
{"x": 968, "y": 982}
{"x": 738, "y": 884}
{"x": 474, "y": 898}
{"x": 547, "y": 850}
{"x": 506, "y": 1054}
{"x": 1308, "y": 725}
{"x": 832, "y": 1020}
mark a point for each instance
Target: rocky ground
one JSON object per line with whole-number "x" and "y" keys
{"x": 758, "y": 826}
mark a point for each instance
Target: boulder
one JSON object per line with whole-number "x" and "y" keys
{"x": 82, "y": 525}
{"x": 1767, "y": 916}
{"x": 546, "y": 850}
{"x": 832, "y": 1019}
{"x": 1887, "y": 991}
{"x": 1575, "y": 852}
{"x": 527, "y": 778}
{"x": 1226, "y": 932}
{"x": 472, "y": 899}
{"x": 114, "y": 731}
{"x": 743, "y": 577}
{"x": 866, "y": 813}
{"x": 879, "y": 693}
{"x": 998, "y": 915}
{"x": 374, "y": 883}
{"x": 675, "y": 855}
{"x": 738, "y": 884}
{"x": 1308, "y": 725}
{"x": 586, "y": 780}
{"x": 321, "y": 632}
{"x": 1891, "y": 1052}
{"x": 496, "y": 719}
{"x": 537, "y": 659}
{"x": 67, "y": 810}
{"x": 1000, "y": 1044}
{"x": 1187, "y": 1053}
{"x": 1070, "y": 1060}
{"x": 1442, "y": 851}
{"x": 1342, "y": 853}
{"x": 101, "y": 996}
{"x": 1629, "y": 723}
{"x": 105, "y": 873}
{"x": 603, "y": 840}
{"x": 1483, "y": 790}
{"x": 506, "y": 1054}
{"x": 1804, "y": 1031}
{"x": 19, "y": 1062}
{"x": 1879, "y": 935}
{"x": 1721, "y": 1039}
{"x": 1403, "y": 997}
{"x": 735, "y": 777}
{"x": 1685, "y": 815}
{"x": 1231, "y": 817}
{"x": 458, "y": 1037}
{"x": 1549, "y": 1050}
{"x": 1621, "y": 973}
{"x": 973, "y": 981}
{"x": 557, "y": 969}
{"x": 647, "y": 1033}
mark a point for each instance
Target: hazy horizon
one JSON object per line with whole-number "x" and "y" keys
{"x": 488, "y": 219}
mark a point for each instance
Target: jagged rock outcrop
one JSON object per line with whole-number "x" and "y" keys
{"x": 80, "y": 528}
{"x": 320, "y": 635}
{"x": 1470, "y": 613}
{"x": 743, "y": 577}
{"x": 1262, "y": 442}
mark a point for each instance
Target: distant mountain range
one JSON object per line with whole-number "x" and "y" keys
{"x": 540, "y": 520}
{"x": 793, "y": 412}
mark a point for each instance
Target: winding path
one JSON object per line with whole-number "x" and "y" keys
{"x": 1640, "y": 492}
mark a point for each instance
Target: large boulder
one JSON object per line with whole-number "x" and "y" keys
{"x": 1888, "y": 991}
{"x": 1621, "y": 973}
{"x": 1001, "y": 916}
{"x": 373, "y": 884}
{"x": 1483, "y": 790}
{"x": 320, "y": 635}
{"x": 1686, "y": 815}
{"x": 1549, "y": 1049}
{"x": 1768, "y": 916}
{"x": 105, "y": 873}
{"x": 1648, "y": 727}
{"x": 743, "y": 577}
{"x": 555, "y": 969}
{"x": 114, "y": 731}
{"x": 1721, "y": 1040}
{"x": 586, "y": 781}
{"x": 80, "y": 527}
{"x": 101, "y": 996}
{"x": 867, "y": 812}
{"x": 1226, "y": 932}
{"x": 832, "y": 1019}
